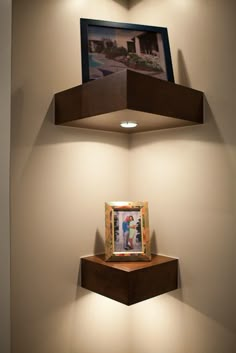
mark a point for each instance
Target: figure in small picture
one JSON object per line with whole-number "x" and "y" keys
{"x": 132, "y": 232}
{"x": 116, "y": 228}
{"x": 125, "y": 228}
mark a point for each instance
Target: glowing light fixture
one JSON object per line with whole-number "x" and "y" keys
{"x": 128, "y": 124}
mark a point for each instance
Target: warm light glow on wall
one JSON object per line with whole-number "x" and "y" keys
{"x": 100, "y": 310}
{"x": 182, "y": 3}
{"x": 148, "y": 321}
{"x": 98, "y": 321}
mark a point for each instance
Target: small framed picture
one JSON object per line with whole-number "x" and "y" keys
{"x": 109, "y": 47}
{"x": 127, "y": 231}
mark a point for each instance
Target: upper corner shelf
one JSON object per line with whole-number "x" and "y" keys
{"x": 128, "y": 95}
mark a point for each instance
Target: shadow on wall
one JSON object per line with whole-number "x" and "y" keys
{"x": 123, "y": 3}
{"x": 17, "y": 105}
{"x": 128, "y": 4}
{"x": 153, "y": 241}
{"x": 99, "y": 246}
{"x": 154, "y": 250}
{"x": 132, "y": 3}
{"x": 183, "y": 73}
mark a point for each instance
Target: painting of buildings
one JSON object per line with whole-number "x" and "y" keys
{"x": 113, "y": 49}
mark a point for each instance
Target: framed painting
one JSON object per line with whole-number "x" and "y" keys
{"x": 127, "y": 231}
{"x": 108, "y": 47}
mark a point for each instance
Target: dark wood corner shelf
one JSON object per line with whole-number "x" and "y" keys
{"x": 128, "y": 95}
{"x": 129, "y": 282}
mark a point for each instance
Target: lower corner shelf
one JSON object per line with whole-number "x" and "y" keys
{"x": 129, "y": 282}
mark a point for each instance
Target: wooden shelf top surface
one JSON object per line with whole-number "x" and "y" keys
{"x": 130, "y": 266}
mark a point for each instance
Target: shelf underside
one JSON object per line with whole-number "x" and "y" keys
{"x": 153, "y": 103}
{"x": 145, "y": 121}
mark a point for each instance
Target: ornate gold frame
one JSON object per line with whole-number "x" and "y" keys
{"x": 116, "y": 215}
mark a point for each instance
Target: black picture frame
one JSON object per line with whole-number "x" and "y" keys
{"x": 153, "y": 58}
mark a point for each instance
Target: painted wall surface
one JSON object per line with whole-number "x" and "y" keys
{"x": 190, "y": 183}
{"x": 62, "y": 176}
{"x": 5, "y": 104}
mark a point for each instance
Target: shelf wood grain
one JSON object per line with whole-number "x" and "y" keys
{"x": 129, "y": 282}
{"x": 128, "y": 95}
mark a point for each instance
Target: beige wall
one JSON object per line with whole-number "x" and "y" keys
{"x": 62, "y": 176}
{"x": 5, "y": 103}
{"x": 60, "y": 180}
{"x": 190, "y": 183}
